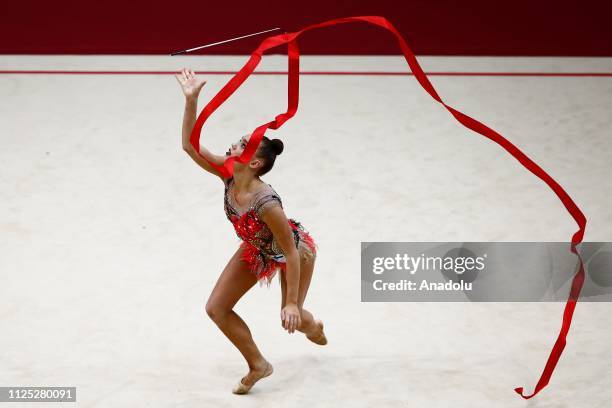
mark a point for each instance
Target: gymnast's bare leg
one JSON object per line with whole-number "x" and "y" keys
{"x": 234, "y": 282}
{"x": 313, "y": 329}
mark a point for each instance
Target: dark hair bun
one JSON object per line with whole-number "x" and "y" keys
{"x": 277, "y": 146}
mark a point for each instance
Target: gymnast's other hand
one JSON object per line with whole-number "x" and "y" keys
{"x": 290, "y": 317}
{"x": 190, "y": 83}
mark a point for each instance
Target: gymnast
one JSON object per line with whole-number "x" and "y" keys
{"x": 270, "y": 243}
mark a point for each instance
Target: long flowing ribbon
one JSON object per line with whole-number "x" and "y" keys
{"x": 293, "y": 96}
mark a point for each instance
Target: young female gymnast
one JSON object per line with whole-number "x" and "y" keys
{"x": 270, "y": 242}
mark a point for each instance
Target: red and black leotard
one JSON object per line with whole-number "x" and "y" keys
{"x": 260, "y": 249}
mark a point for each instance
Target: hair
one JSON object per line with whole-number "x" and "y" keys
{"x": 268, "y": 150}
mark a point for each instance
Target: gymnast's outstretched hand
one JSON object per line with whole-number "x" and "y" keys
{"x": 190, "y": 83}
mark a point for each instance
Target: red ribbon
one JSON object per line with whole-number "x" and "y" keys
{"x": 293, "y": 87}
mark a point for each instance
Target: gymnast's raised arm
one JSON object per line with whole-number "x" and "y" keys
{"x": 191, "y": 86}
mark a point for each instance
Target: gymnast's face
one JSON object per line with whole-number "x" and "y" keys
{"x": 237, "y": 148}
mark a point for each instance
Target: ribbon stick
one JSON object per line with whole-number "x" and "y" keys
{"x": 293, "y": 95}
{"x": 224, "y": 41}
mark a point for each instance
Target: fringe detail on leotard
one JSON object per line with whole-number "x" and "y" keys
{"x": 265, "y": 268}
{"x": 262, "y": 267}
{"x": 304, "y": 235}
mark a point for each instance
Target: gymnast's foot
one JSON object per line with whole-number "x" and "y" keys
{"x": 255, "y": 374}
{"x": 318, "y": 337}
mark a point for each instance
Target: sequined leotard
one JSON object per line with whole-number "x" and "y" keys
{"x": 260, "y": 249}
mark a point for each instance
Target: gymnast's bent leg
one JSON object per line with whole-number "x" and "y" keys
{"x": 313, "y": 329}
{"x": 234, "y": 282}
